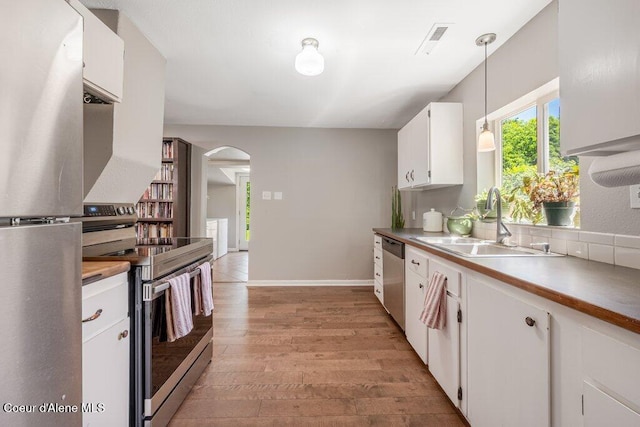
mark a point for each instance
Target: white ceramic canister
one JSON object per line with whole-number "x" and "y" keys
{"x": 432, "y": 221}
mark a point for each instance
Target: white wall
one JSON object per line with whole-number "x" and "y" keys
{"x": 525, "y": 62}
{"x": 221, "y": 203}
{"x": 336, "y": 185}
{"x": 198, "y": 209}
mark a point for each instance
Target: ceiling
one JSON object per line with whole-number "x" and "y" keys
{"x": 230, "y": 62}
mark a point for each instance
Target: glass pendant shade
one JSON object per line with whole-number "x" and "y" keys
{"x": 486, "y": 141}
{"x": 309, "y": 62}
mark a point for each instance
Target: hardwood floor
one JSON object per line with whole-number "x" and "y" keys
{"x": 305, "y": 356}
{"x": 232, "y": 267}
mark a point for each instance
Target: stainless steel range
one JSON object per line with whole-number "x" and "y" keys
{"x": 162, "y": 372}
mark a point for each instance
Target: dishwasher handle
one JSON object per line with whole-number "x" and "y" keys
{"x": 394, "y": 247}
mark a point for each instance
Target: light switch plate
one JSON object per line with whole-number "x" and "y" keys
{"x": 266, "y": 195}
{"x": 635, "y": 196}
{"x": 277, "y": 195}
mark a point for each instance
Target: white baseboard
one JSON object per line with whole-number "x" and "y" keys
{"x": 310, "y": 283}
{"x": 233, "y": 250}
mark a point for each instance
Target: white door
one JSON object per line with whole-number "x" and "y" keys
{"x": 244, "y": 206}
{"x": 508, "y": 359}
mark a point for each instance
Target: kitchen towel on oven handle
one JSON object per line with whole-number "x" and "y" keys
{"x": 178, "y": 310}
{"x": 206, "y": 291}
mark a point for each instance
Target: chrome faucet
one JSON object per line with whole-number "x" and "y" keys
{"x": 502, "y": 232}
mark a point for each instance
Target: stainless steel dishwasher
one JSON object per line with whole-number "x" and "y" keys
{"x": 393, "y": 278}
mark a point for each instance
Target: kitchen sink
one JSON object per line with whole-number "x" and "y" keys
{"x": 448, "y": 240}
{"x": 477, "y": 248}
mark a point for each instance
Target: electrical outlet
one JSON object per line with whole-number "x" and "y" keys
{"x": 634, "y": 191}
{"x": 277, "y": 195}
{"x": 266, "y": 195}
{"x": 413, "y": 215}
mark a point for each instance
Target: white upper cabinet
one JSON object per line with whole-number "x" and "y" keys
{"x": 430, "y": 148}
{"x": 599, "y": 75}
{"x": 103, "y": 56}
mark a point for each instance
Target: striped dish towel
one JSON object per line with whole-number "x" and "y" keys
{"x": 181, "y": 305}
{"x": 206, "y": 288}
{"x": 434, "y": 314}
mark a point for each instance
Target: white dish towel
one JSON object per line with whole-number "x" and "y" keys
{"x": 206, "y": 287}
{"x": 181, "y": 313}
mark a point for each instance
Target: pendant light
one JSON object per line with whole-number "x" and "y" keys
{"x": 309, "y": 62}
{"x": 486, "y": 140}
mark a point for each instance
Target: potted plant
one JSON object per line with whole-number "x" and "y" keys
{"x": 554, "y": 193}
{"x": 397, "y": 219}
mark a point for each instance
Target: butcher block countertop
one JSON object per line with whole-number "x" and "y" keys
{"x": 98, "y": 270}
{"x": 607, "y": 292}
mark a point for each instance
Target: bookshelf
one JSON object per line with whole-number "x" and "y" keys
{"x": 163, "y": 209}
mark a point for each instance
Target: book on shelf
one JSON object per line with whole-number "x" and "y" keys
{"x": 165, "y": 173}
{"x": 167, "y": 149}
{"x": 147, "y": 231}
{"x": 158, "y": 191}
{"x": 155, "y": 209}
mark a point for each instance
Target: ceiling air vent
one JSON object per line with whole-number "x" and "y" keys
{"x": 433, "y": 37}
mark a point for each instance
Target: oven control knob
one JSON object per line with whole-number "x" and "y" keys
{"x": 130, "y": 210}
{"x": 121, "y": 210}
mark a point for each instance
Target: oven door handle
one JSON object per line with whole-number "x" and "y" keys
{"x": 152, "y": 289}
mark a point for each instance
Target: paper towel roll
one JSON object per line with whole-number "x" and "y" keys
{"x": 617, "y": 170}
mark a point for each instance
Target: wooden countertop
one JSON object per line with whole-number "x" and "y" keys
{"x": 607, "y": 292}
{"x": 97, "y": 270}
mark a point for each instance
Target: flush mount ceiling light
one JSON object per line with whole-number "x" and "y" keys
{"x": 309, "y": 62}
{"x": 486, "y": 140}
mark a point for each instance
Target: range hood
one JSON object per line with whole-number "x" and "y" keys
{"x": 123, "y": 141}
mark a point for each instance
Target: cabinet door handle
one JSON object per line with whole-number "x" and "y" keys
{"x": 529, "y": 321}
{"x": 377, "y": 257}
{"x": 377, "y": 291}
{"x": 123, "y": 334}
{"x": 378, "y": 274}
{"x": 420, "y": 285}
{"x": 414, "y": 262}
{"x": 412, "y": 175}
{"x": 93, "y": 317}
{"x": 407, "y": 176}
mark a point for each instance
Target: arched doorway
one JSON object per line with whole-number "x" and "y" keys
{"x": 228, "y": 211}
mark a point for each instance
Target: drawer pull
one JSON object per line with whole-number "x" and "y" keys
{"x": 413, "y": 261}
{"x": 123, "y": 334}
{"x": 93, "y": 317}
{"x": 529, "y": 321}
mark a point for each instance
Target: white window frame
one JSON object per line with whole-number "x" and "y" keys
{"x": 542, "y": 132}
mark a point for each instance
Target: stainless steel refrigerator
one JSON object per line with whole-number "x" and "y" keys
{"x": 40, "y": 188}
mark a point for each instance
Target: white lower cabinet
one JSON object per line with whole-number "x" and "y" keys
{"x": 105, "y": 377}
{"x": 378, "y": 290}
{"x": 600, "y": 409}
{"x": 508, "y": 359}
{"x": 611, "y": 377}
{"x": 444, "y": 344}
{"x": 105, "y": 352}
{"x": 414, "y": 293}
